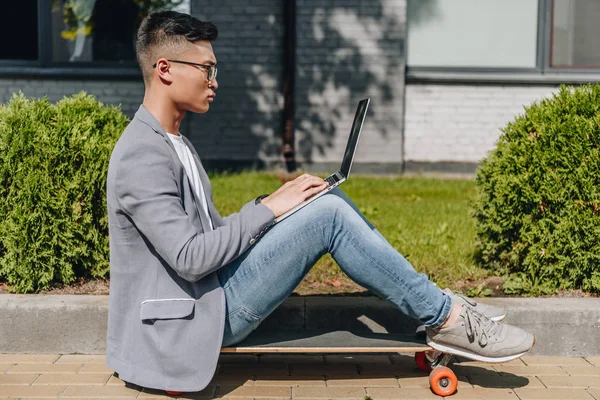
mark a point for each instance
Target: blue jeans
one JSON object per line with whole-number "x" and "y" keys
{"x": 264, "y": 276}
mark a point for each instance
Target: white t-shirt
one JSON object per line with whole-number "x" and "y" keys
{"x": 187, "y": 159}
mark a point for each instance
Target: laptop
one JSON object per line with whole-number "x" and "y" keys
{"x": 343, "y": 174}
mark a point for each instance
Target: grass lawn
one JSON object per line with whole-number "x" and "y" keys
{"x": 426, "y": 219}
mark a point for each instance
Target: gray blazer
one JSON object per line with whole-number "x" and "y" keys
{"x": 167, "y": 308}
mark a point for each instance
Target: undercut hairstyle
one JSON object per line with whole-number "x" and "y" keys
{"x": 167, "y": 34}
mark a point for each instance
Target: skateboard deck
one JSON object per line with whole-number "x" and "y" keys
{"x": 329, "y": 342}
{"x": 442, "y": 380}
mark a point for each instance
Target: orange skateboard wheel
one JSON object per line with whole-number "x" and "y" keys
{"x": 443, "y": 381}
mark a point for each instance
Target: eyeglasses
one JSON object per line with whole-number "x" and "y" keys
{"x": 211, "y": 73}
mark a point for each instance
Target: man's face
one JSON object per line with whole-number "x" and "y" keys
{"x": 190, "y": 88}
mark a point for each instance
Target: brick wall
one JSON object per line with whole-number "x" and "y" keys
{"x": 346, "y": 50}
{"x": 460, "y": 123}
{"x": 244, "y": 122}
{"x": 127, "y": 93}
{"x": 349, "y": 50}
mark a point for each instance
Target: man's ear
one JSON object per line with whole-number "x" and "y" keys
{"x": 163, "y": 68}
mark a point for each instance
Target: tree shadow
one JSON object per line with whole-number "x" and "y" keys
{"x": 343, "y": 54}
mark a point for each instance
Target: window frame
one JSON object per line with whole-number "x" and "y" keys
{"x": 542, "y": 74}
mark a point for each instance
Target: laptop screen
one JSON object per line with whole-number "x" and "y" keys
{"x": 359, "y": 118}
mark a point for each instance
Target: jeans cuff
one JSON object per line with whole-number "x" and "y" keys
{"x": 444, "y": 313}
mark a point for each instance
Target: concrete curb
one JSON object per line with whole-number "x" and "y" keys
{"x": 69, "y": 324}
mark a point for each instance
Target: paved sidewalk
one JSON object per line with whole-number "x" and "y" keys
{"x": 24, "y": 376}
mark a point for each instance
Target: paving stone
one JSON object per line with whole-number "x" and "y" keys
{"x": 72, "y": 379}
{"x": 400, "y": 393}
{"x": 31, "y": 391}
{"x": 328, "y": 393}
{"x": 467, "y": 362}
{"x": 238, "y": 359}
{"x": 240, "y": 379}
{"x": 290, "y": 381}
{"x": 260, "y": 398}
{"x": 388, "y": 370}
{"x": 17, "y": 379}
{"x": 81, "y": 359}
{"x": 115, "y": 381}
{"x": 582, "y": 371}
{"x": 476, "y": 370}
{"x": 45, "y": 368}
{"x": 421, "y": 381}
{"x": 99, "y": 391}
{"x": 363, "y": 382}
{"x": 95, "y": 369}
{"x": 402, "y": 359}
{"x": 5, "y": 367}
{"x": 594, "y": 361}
{"x": 264, "y": 369}
{"x": 553, "y": 394}
{"x": 531, "y": 371}
{"x": 314, "y": 369}
{"x": 595, "y": 393}
{"x": 27, "y": 358}
{"x": 253, "y": 391}
{"x": 290, "y": 359}
{"x": 357, "y": 359}
{"x": 581, "y": 382}
{"x": 505, "y": 381}
{"x": 84, "y": 398}
{"x": 556, "y": 361}
{"x": 467, "y": 393}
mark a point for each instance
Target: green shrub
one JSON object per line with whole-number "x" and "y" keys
{"x": 53, "y": 165}
{"x": 537, "y": 210}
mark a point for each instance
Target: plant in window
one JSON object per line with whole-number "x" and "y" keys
{"x": 81, "y": 20}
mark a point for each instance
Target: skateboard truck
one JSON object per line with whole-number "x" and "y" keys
{"x": 442, "y": 380}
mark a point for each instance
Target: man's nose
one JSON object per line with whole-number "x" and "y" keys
{"x": 215, "y": 84}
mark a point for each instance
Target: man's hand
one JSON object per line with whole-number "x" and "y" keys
{"x": 293, "y": 193}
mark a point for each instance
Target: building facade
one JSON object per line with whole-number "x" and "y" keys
{"x": 444, "y": 76}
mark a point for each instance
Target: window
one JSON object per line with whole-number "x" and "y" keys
{"x": 575, "y": 33}
{"x": 26, "y": 48}
{"x": 67, "y": 33}
{"x": 504, "y": 40}
{"x": 472, "y": 33}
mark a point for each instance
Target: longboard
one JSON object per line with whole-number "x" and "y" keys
{"x": 442, "y": 380}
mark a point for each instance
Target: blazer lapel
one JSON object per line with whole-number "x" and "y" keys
{"x": 146, "y": 117}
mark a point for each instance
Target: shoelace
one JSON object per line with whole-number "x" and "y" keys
{"x": 465, "y": 298}
{"x": 481, "y": 327}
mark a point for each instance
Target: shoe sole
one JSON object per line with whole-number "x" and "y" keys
{"x": 476, "y": 357}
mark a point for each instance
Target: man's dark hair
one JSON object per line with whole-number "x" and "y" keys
{"x": 166, "y": 34}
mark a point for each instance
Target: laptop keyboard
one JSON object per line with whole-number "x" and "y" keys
{"x": 331, "y": 179}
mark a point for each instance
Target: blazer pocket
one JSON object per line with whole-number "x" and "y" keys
{"x": 166, "y": 309}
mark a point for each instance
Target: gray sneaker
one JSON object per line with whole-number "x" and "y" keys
{"x": 479, "y": 338}
{"x": 496, "y": 314}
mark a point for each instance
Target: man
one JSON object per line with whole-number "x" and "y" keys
{"x": 186, "y": 281}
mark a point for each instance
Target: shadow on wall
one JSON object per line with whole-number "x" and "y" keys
{"x": 345, "y": 52}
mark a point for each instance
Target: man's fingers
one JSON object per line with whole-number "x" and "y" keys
{"x": 314, "y": 190}
{"x": 313, "y": 181}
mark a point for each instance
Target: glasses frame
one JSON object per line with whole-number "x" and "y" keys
{"x": 211, "y": 70}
